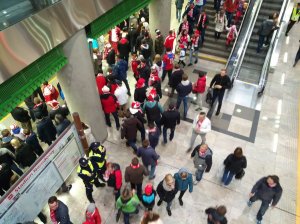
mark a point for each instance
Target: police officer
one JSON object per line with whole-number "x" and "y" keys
{"x": 97, "y": 156}
{"x": 87, "y": 173}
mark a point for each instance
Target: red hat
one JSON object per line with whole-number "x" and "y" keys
{"x": 148, "y": 189}
{"x": 197, "y": 32}
{"x": 181, "y": 46}
{"x": 135, "y": 107}
{"x": 53, "y": 103}
{"x": 140, "y": 83}
{"x": 151, "y": 94}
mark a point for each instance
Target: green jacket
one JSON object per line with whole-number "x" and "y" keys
{"x": 129, "y": 206}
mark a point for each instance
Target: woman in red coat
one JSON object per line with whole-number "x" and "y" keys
{"x": 113, "y": 176}
{"x": 199, "y": 89}
{"x": 92, "y": 215}
{"x": 109, "y": 105}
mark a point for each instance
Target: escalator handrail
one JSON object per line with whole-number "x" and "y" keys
{"x": 244, "y": 39}
{"x": 266, "y": 67}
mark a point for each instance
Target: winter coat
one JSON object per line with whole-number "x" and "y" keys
{"x": 40, "y": 110}
{"x": 205, "y": 126}
{"x": 128, "y": 206}
{"x": 179, "y": 4}
{"x": 62, "y": 126}
{"x": 5, "y": 176}
{"x": 109, "y": 103}
{"x": 121, "y": 94}
{"x": 199, "y": 86}
{"x": 149, "y": 200}
{"x": 121, "y": 69}
{"x": 202, "y": 162}
{"x": 159, "y": 67}
{"x": 159, "y": 45}
{"x": 216, "y": 218}
{"x": 144, "y": 72}
{"x": 62, "y": 213}
{"x": 149, "y": 156}
{"x": 219, "y": 80}
{"x": 6, "y": 156}
{"x": 266, "y": 27}
{"x": 25, "y": 155}
{"x": 176, "y": 78}
{"x": 34, "y": 142}
{"x": 145, "y": 51}
{"x": 184, "y": 88}
{"x": 46, "y": 130}
{"x": 134, "y": 175}
{"x": 62, "y": 110}
{"x": 124, "y": 48}
{"x": 183, "y": 185}
{"x": 92, "y": 217}
{"x": 221, "y": 23}
{"x": 153, "y": 137}
{"x": 111, "y": 57}
{"x": 140, "y": 94}
{"x": 266, "y": 193}
{"x": 132, "y": 36}
{"x": 115, "y": 178}
{"x": 153, "y": 110}
{"x": 231, "y": 6}
{"x": 234, "y": 164}
{"x": 100, "y": 81}
{"x": 20, "y": 114}
{"x": 168, "y": 61}
{"x": 170, "y": 118}
{"x": 164, "y": 195}
{"x": 149, "y": 41}
{"x": 130, "y": 127}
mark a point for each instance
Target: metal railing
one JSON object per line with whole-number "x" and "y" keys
{"x": 238, "y": 52}
{"x": 266, "y": 67}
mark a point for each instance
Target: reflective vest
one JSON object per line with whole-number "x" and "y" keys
{"x": 86, "y": 172}
{"x": 295, "y": 14}
{"x": 98, "y": 154}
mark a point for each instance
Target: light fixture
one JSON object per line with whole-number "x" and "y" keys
{"x": 238, "y": 110}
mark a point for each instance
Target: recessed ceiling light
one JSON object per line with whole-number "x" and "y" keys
{"x": 238, "y": 110}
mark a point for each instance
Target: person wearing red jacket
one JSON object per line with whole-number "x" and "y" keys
{"x": 113, "y": 176}
{"x": 169, "y": 41}
{"x": 109, "y": 105}
{"x": 49, "y": 92}
{"x": 230, "y": 7}
{"x": 92, "y": 215}
{"x": 100, "y": 81}
{"x": 114, "y": 37}
{"x": 168, "y": 61}
{"x": 134, "y": 65}
{"x": 199, "y": 89}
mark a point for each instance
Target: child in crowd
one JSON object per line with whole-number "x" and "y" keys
{"x": 148, "y": 198}
{"x": 231, "y": 35}
{"x": 239, "y": 11}
{"x": 182, "y": 55}
{"x": 113, "y": 176}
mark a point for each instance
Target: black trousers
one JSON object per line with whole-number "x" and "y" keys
{"x": 138, "y": 188}
{"x": 218, "y": 94}
{"x": 165, "y": 72}
{"x": 289, "y": 27}
{"x": 181, "y": 194}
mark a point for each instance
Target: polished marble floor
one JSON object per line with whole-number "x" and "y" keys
{"x": 268, "y": 138}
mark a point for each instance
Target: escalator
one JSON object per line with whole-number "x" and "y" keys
{"x": 252, "y": 65}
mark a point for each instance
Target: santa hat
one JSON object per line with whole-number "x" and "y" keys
{"x": 143, "y": 20}
{"x": 141, "y": 57}
{"x": 148, "y": 189}
{"x": 151, "y": 94}
{"x": 108, "y": 45}
{"x": 15, "y": 129}
{"x": 154, "y": 78}
{"x": 140, "y": 83}
{"x": 124, "y": 35}
{"x": 181, "y": 46}
{"x": 135, "y": 107}
{"x": 197, "y": 32}
{"x": 154, "y": 68}
{"x": 105, "y": 89}
{"x": 53, "y": 104}
{"x": 157, "y": 32}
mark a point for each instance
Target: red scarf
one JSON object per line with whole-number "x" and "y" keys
{"x": 53, "y": 217}
{"x": 134, "y": 167}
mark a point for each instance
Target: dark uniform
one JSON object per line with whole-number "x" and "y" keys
{"x": 87, "y": 173}
{"x": 97, "y": 156}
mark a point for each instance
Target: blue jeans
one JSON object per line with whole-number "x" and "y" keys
{"x": 263, "y": 208}
{"x": 127, "y": 216}
{"x": 260, "y": 43}
{"x": 178, "y": 14}
{"x": 185, "y": 105}
{"x": 165, "y": 134}
{"x": 227, "y": 177}
{"x": 229, "y": 17}
{"x": 132, "y": 142}
{"x": 199, "y": 174}
{"x": 194, "y": 51}
{"x": 151, "y": 170}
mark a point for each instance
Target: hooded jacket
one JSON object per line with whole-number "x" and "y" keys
{"x": 129, "y": 205}
{"x": 135, "y": 174}
{"x": 184, "y": 88}
{"x": 199, "y": 86}
{"x": 121, "y": 69}
{"x": 92, "y": 215}
{"x": 164, "y": 194}
{"x": 145, "y": 51}
{"x": 109, "y": 103}
{"x": 234, "y": 164}
{"x": 266, "y": 27}
{"x": 202, "y": 162}
{"x": 266, "y": 193}
{"x": 153, "y": 110}
{"x": 183, "y": 185}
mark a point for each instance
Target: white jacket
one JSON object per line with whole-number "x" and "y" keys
{"x": 121, "y": 94}
{"x": 205, "y": 126}
{"x": 221, "y": 23}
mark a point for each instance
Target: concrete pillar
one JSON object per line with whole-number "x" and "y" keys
{"x": 77, "y": 80}
{"x": 160, "y": 16}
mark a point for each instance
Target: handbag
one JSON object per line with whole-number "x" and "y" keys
{"x": 209, "y": 96}
{"x": 118, "y": 215}
{"x": 240, "y": 174}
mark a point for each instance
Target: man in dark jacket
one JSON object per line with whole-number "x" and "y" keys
{"x": 46, "y": 130}
{"x": 216, "y": 215}
{"x": 40, "y": 108}
{"x": 183, "y": 89}
{"x": 140, "y": 91}
{"x": 120, "y": 71}
{"x": 60, "y": 210}
{"x": 129, "y": 130}
{"x": 132, "y": 36}
{"x": 8, "y": 158}
{"x": 134, "y": 175}
{"x": 175, "y": 78}
{"x": 264, "y": 30}
{"x": 149, "y": 158}
{"x": 111, "y": 55}
{"x": 179, "y": 4}
{"x": 146, "y": 52}
{"x": 219, "y": 83}
{"x": 137, "y": 112}
{"x": 124, "y": 48}
{"x": 144, "y": 71}
{"x": 159, "y": 43}
{"x": 269, "y": 191}
{"x": 31, "y": 139}
{"x": 170, "y": 118}
{"x": 61, "y": 123}
{"x": 21, "y": 115}
{"x": 5, "y": 177}
{"x": 153, "y": 135}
